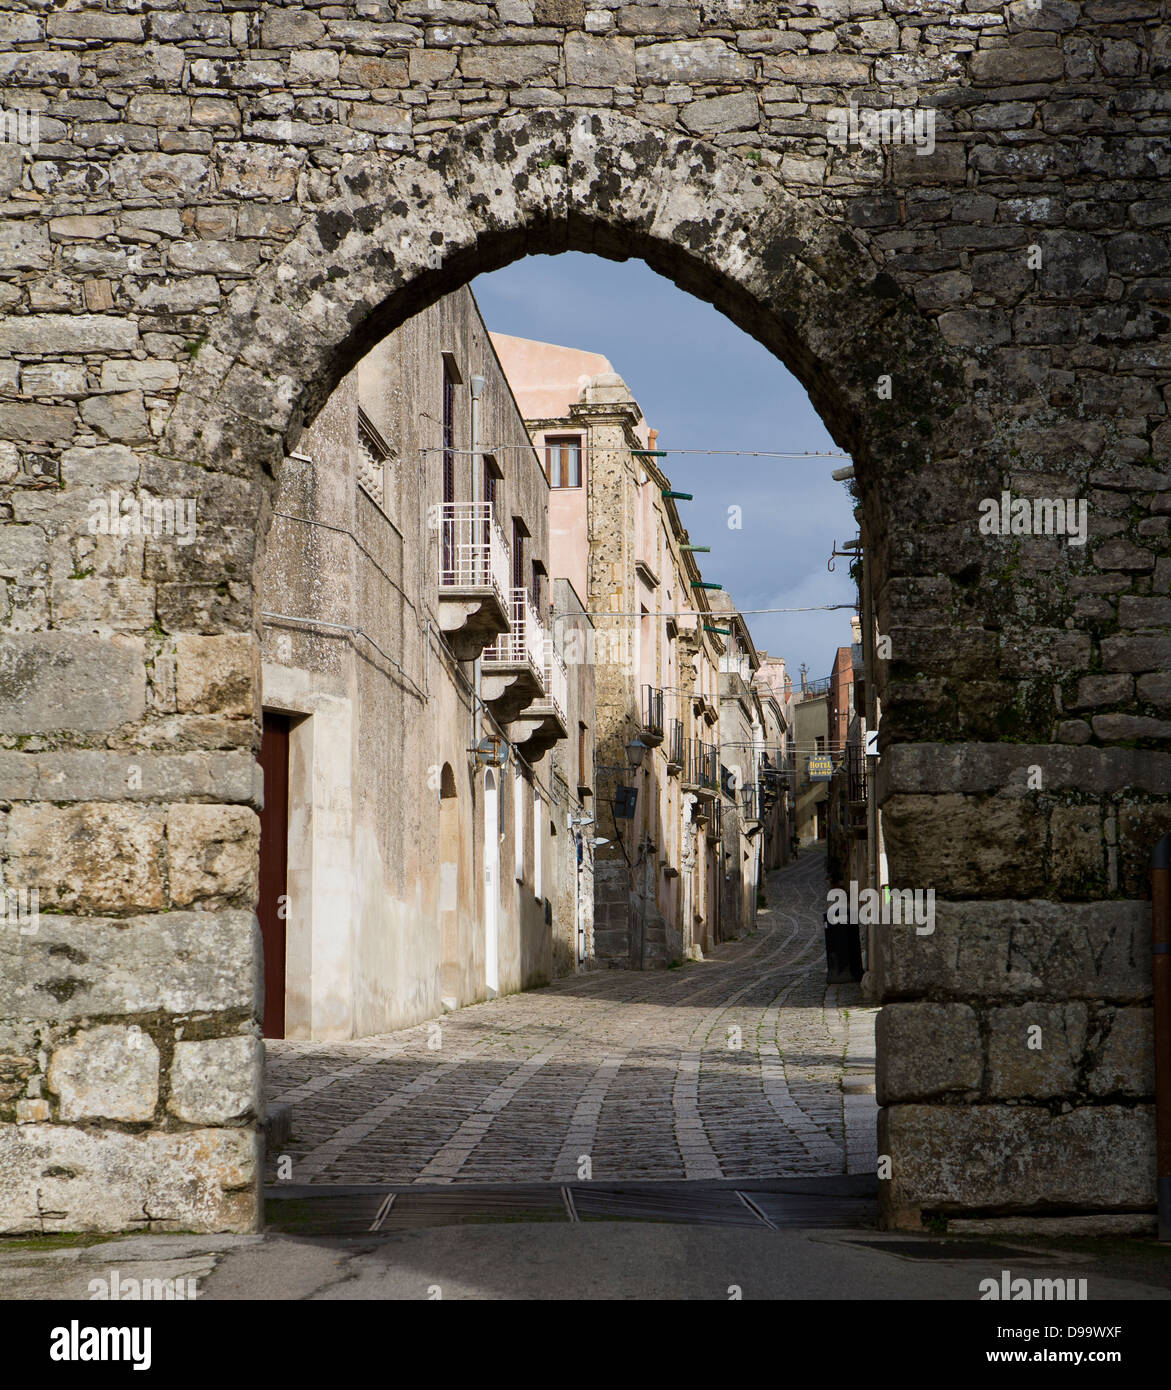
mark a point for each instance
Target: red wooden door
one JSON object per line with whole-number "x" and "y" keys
{"x": 274, "y": 867}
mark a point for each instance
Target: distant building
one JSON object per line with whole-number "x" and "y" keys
{"x": 742, "y": 752}
{"x": 811, "y": 737}
{"x": 616, "y": 536}
{"x": 775, "y": 691}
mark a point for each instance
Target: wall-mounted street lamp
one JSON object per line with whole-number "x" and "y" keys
{"x": 635, "y": 751}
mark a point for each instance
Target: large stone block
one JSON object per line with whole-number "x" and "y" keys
{"x": 1122, "y": 1053}
{"x": 599, "y": 62}
{"x": 217, "y": 675}
{"x": 54, "y": 681}
{"x": 94, "y": 24}
{"x": 64, "y": 1178}
{"x": 1035, "y": 1051}
{"x": 1017, "y": 950}
{"x": 213, "y": 854}
{"x": 24, "y": 246}
{"x": 153, "y": 175}
{"x": 100, "y": 775}
{"x": 90, "y": 857}
{"x": 217, "y": 1081}
{"x": 926, "y": 1050}
{"x": 716, "y": 114}
{"x": 1001, "y": 1159}
{"x": 40, "y": 423}
{"x": 1004, "y": 768}
{"x": 120, "y": 417}
{"x": 108, "y": 1073}
{"x": 1004, "y": 66}
{"x": 260, "y": 171}
{"x": 54, "y": 333}
{"x": 508, "y": 64}
{"x": 697, "y": 60}
{"x": 658, "y": 19}
{"x": 1077, "y": 852}
{"x": 965, "y": 846}
{"x": 175, "y": 962}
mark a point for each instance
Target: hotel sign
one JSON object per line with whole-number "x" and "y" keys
{"x": 821, "y": 768}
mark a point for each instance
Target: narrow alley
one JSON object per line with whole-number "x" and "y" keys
{"x": 732, "y": 1067}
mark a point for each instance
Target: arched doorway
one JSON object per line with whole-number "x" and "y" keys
{"x": 978, "y": 651}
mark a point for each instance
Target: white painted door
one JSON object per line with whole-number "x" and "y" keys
{"x": 491, "y": 883}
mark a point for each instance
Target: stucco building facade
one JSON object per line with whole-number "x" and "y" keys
{"x": 415, "y": 837}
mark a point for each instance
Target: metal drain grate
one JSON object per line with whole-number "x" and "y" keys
{"x": 705, "y": 1207}
{"x": 321, "y": 1211}
{"x": 474, "y": 1207}
{"x": 322, "y": 1215}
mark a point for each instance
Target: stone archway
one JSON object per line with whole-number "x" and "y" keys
{"x": 986, "y": 657}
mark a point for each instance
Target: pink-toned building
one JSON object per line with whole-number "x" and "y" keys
{"x": 616, "y": 535}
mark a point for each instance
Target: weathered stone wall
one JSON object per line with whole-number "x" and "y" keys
{"x": 227, "y": 208}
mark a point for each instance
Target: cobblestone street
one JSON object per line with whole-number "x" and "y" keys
{"x": 744, "y": 1065}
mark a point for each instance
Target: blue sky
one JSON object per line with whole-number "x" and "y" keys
{"x": 704, "y": 384}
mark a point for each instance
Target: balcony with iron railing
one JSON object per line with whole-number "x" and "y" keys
{"x": 701, "y": 773}
{"x": 473, "y": 578}
{"x": 652, "y": 716}
{"x": 676, "y": 746}
{"x": 513, "y": 672}
{"x": 545, "y": 722}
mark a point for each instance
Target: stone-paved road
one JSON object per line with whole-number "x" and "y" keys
{"x": 638, "y": 1072}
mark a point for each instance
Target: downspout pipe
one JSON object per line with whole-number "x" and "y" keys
{"x": 1161, "y": 990}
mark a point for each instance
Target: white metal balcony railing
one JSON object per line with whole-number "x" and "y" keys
{"x": 475, "y": 553}
{"x": 556, "y": 679}
{"x": 525, "y": 639}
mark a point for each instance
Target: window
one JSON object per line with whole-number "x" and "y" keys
{"x": 535, "y": 590}
{"x": 582, "y": 779}
{"x": 563, "y": 460}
